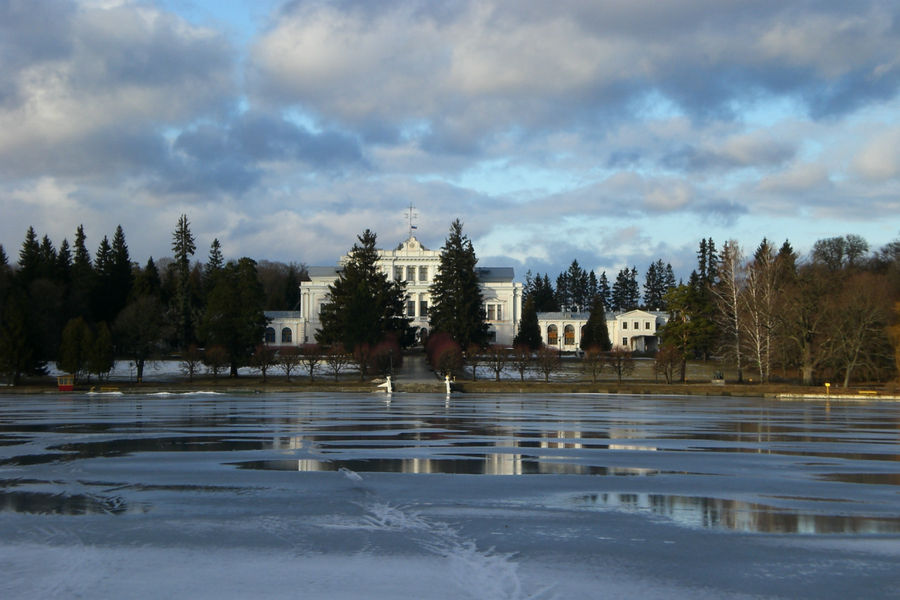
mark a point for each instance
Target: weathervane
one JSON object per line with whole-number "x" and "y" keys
{"x": 411, "y": 214}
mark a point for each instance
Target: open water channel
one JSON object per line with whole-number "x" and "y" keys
{"x": 424, "y": 496}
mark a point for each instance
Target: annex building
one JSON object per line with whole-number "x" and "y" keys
{"x": 416, "y": 265}
{"x": 636, "y": 330}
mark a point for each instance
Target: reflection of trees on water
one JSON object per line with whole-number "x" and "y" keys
{"x": 737, "y": 515}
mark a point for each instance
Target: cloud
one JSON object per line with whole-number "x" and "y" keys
{"x": 97, "y": 98}
{"x": 485, "y": 67}
{"x": 879, "y": 159}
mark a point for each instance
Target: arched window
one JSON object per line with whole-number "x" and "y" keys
{"x": 270, "y": 335}
{"x": 552, "y": 335}
{"x": 286, "y": 335}
{"x": 569, "y": 335}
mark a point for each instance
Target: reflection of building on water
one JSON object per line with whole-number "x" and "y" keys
{"x": 737, "y": 515}
{"x": 628, "y": 434}
{"x": 530, "y": 454}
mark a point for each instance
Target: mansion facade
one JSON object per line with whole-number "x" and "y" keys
{"x": 636, "y": 330}
{"x": 416, "y": 265}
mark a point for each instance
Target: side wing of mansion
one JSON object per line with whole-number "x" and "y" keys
{"x": 416, "y": 265}
{"x": 636, "y": 330}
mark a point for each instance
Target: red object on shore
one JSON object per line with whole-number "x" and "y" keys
{"x": 65, "y": 383}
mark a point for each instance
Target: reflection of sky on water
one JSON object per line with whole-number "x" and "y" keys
{"x": 845, "y": 457}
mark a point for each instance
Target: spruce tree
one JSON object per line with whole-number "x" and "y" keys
{"x": 102, "y": 300}
{"x": 603, "y": 290}
{"x": 595, "y": 335}
{"x": 234, "y": 318}
{"x": 82, "y": 281}
{"x": 183, "y": 248}
{"x": 29, "y": 258}
{"x": 529, "y": 334}
{"x": 366, "y": 307}
{"x": 457, "y": 305}
{"x": 121, "y": 275}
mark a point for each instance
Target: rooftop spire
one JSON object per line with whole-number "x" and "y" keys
{"x": 411, "y": 215}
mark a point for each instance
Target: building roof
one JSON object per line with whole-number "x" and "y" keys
{"x": 562, "y": 316}
{"x": 282, "y": 314}
{"x": 323, "y": 272}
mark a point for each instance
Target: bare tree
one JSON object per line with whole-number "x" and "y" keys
{"x": 216, "y": 360}
{"x": 667, "y": 360}
{"x": 337, "y": 359}
{"x": 191, "y": 359}
{"x": 593, "y": 361}
{"x": 288, "y": 359}
{"x": 474, "y": 358}
{"x": 860, "y": 313}
{"x": 496, "y": 356}
{"x": 757, "y": 305}
{"x": 620, "y": 361}
{"x": 521, "y": 359}
{"x": 548, "y": 361}
{"x": 262, "y": 359}
{"x": 805, "y": 321}
{"x": 311, "y": 355}
{"x": 727, "y": 295}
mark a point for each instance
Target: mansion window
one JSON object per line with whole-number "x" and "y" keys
{"x": 410, "y": 308}
{"x": 647, "y": 325}
{"x": 637, "y": 325}
{"x": 569, "y": 335}
{"x": 494, "y": 312}
{"x": 398, "y": 273}
{"x": 552, "y": 335}
{"x": 423, "y": 308}
{"x": 287, "y": 335}
{"x": 624, "y": 324}
{"x": 423, "y": 273}
{"x": 270, "y": 335}
{"x": 625, "y": 341}
{"x": 410, "y": 273}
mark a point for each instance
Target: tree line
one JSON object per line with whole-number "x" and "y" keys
{"x": 64, "y": 305}
{"x": 831, "y": 314}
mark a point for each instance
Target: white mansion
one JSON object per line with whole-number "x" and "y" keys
{"x": 416, "y": 265}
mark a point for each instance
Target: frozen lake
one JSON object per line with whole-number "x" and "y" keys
{"x": 494, "y": 497}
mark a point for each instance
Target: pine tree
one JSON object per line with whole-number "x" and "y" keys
{"x": 183, "y": 248}
{"x": 656, "y": 283}
{"x": 365, "y": 307}
{"x": 603, "y": 290}
{"x": 83, "y": 280}
{"x": 82, "y": 260}
{"x": 29, "y": 258}
{"x": 529, "y": 334}
{"x": 595, "y": 335}
{"x": 47, "y": 262}
{"x": 64, "y": 263}
{"x": 121, "y": 275}
{"x": 457, "y": 303}
{"x": 214, "y": 262}
{"x": 234, "y": 318}
{"x": 147, "y": 282}
{"x": 103, "y": 300}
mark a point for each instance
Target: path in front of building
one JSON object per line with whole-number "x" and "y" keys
{"x": 415, "y": 369}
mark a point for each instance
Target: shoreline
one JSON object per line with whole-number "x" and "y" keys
{"x": 255, "y": 385}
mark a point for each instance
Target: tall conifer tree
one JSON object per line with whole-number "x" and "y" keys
{"x": 183, "y": 248}
{"x": 366, "y": 307}
{"x": 457, "y": 303}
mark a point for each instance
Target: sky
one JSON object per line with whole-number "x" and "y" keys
{"x": 614, "y": 133}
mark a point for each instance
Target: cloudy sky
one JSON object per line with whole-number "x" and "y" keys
{"x": 613, "y": 132}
